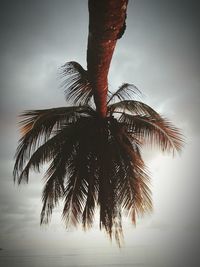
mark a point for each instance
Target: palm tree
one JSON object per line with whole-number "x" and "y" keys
{"x": 93, "y": 147}
{"x": 94, "y": 161}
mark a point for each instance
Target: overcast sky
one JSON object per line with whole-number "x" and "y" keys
{"x": 159, "y": 53}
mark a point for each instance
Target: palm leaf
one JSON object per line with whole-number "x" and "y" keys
{"x": 47, "y": 151}
{"x": 75, "y": 190}
{"x": 76, "y": 83}
{"x": 54, "y": 187}
{"x": 37, "y": 126}
{"x": 125, "y": 91}
{"x": 154, "y": 130}
{"x": 60, "y": 169}
{"x": 132, "y": 190}
{"x": 133, "y": 107}
{"x": 92, "y": 192}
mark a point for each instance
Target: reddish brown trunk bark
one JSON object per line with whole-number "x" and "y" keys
{"x": 106, "y": 25}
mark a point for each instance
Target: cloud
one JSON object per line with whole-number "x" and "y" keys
{"x": 158, "y": 53}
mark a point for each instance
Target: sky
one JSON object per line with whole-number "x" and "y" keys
{"x": 159, "y": 53}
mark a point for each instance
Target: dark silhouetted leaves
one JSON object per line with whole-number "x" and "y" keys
{"x": 93, "y": 162}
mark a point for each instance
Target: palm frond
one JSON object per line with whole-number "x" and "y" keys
{"x": 107, "y": 185}
{"x": 81, "y": 185}
{"x": 42, "y": 155}
{"x": 76, "y": 83}
{"x": 37, "y": 126}
{"x": 132, "y": 189}
{"x": 75, "y": 190}
{"x": 132, "y": 106}
{"x": 125, "y": 91}
{"x": 96, "y": 170}
{"x": 54, "y": 187}
{"x": 59, "y": 169}
{"x": 92, "y": 192}
{"x": 47, "y": 151}
{"x": 154, "y": 130}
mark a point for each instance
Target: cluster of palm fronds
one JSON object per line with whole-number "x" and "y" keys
{"x": 94, "y": 162}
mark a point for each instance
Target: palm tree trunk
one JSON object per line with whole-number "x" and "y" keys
{"x": 106, "y": 25}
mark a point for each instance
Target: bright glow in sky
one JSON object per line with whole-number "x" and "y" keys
{"x": 159, "y": 54}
